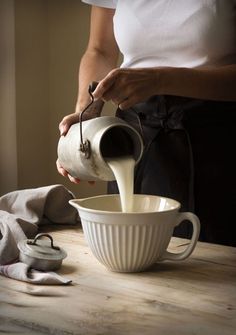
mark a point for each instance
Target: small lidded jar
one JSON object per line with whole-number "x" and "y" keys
{"x": 41, "y": 254}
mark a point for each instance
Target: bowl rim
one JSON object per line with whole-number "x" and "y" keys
{"x": 98, "y": 211}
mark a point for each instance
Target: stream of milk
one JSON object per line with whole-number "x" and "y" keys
{"x": 123, "y": 169}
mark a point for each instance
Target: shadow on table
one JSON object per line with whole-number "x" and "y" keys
{"x": 193, "y": 270}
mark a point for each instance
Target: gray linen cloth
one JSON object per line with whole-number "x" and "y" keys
{"x": 21, "y": 212}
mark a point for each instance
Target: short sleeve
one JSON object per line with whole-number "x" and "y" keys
{"x": 102, "y": 3}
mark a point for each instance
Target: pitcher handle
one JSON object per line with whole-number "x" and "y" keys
{"x": 196, "y": 230}
{"x": 85, "y": 145}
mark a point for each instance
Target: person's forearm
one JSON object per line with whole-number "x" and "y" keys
{"x": 202, "y": 83}
{"x": 94, "y": 66}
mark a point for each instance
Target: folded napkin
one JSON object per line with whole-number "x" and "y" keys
{"x": 21, "y": 213}
{"x": 21, "y": 271}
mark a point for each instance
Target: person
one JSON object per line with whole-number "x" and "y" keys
{"x": 178, "y": 77}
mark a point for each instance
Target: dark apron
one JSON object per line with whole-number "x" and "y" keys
{"x": 189, "y": 156}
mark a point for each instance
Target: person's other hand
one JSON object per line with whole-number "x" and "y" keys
{"x": 64, "y": 126}
{"x": 127, "y": 87}
{"x": 64, "y": 173}
{"x": 68, "y": 121}
{"x": 93, "y": 111}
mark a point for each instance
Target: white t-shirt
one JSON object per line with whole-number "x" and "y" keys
{"x": 178, "y": 33}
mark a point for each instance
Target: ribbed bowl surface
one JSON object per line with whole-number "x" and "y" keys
{"x": 126, "y": 248}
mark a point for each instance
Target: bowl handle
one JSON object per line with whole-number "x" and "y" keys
{"x": 196, "y": 230}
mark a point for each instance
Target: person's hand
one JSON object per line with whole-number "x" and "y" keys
{"x": 64, "y": 126}
{"x": 93, "y": 111}
{"x": 67, "y": 121}
{"x": 127, "y": 87}
{"x": 64, "y": 173}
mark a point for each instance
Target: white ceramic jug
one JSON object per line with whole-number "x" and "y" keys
{"x": 84, "y": 149}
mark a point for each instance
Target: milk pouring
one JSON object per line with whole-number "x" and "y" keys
{"x": 123, "y": 169}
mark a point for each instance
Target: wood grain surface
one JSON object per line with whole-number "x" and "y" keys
{"x": 195, "y": 296}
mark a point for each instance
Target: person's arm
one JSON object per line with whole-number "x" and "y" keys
{"x": 209, "y": 83}
{"x": 137, "y": 85}
{"x": 100, "y": 57}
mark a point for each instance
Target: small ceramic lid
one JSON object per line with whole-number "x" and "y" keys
{"x": 41, "y": 249}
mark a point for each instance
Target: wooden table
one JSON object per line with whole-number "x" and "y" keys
{"x": 196, "y": 296}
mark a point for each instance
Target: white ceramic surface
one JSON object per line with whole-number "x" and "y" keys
{"x": 132, "y": 242}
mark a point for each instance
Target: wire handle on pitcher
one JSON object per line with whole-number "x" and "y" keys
{"x": 85, "y": 145}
